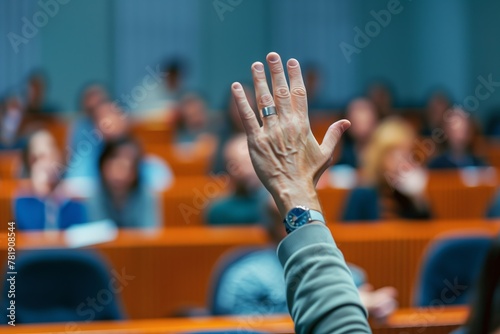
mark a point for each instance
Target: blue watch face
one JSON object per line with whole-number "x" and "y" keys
{"x": 297, "y": 217}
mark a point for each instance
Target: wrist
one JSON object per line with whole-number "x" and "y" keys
{"x": 288, "y": 197}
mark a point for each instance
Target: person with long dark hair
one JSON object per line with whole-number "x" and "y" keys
{"x": 121, "y": 195}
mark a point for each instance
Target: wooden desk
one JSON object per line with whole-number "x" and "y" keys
{"x": 173, "y": 268}
{"x": 403, "y": 321}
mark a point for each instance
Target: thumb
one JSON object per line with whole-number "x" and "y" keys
{"x": 333, "y": 135}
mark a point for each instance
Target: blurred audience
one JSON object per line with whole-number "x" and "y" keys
{"x": 11, "y": 123}
{"x": 241, "y": 206}
{"x": 254, "y": 282}
{"x": 121, "y": 195}
{"x": 363, "y": 116}
{"x": 381, "y": 97}
{"x": 36, "y": 104}
{"x": 165, "y": 90}
{"x": 231, "y": 126}
{"x": 313, "y": 83}
{"x": 193, "y": 136}
{"x": 46, "y": 203}
{"x": 435, "y": 110}
{"x": 392, "y": 183}
{"x": 459, "y": 149}
{"x": 102, "y": 121}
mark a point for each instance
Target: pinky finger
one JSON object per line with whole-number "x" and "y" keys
{"x": 247, "y": 115}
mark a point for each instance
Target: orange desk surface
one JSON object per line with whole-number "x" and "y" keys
{"x": 403, "y": 321}
{"x": 172, "y": 269}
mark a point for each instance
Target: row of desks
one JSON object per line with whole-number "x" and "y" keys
{"x": 403, "y": 321}
{"x": 173, "y": 267}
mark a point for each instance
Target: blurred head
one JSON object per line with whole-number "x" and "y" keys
{"x": 174, "y": 71}
{"x": 381, "y": 98}
{"x": 388, "y": 151}
{"x": 110, "y": 120}
{"x": 119, "y": 165}
{"x": 363, "y": 116}
{"x": 41, "y": 145}
{"x": 458, "y": 129}
{"x": 36, "y": 89}
{"x": 44, "y": 177}
{"x": 193, "y": 113}
{"x": 239, "y": 165}
{"x": 92, "y": 97}
{"x": 436, "y": 107}
{"x": 312, "y": 80}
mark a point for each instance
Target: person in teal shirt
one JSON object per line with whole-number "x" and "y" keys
{"x": 241, "y": 206}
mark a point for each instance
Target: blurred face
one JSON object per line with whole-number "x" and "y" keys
{"x": 93, "y": 97}
{"x": 43, "y": 146}
{"x": 436, "y": 108}
{"x": 194, "y": 114}
{"x": 397, "y": 158}
{"x": 239, "y": 164}
{"x": 119, "y": 172}
{"x": 381, "y": 97}
{"x": 110, "y": 120}
{"x": 363, "y": 119}
{"x": 44, "y": 177}
{"x": 458, "y": 131}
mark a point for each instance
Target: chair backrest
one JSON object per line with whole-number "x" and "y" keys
{"x": 58, "y": 285}
{"x": 225, "y": 262}
{"x": 450, "y": 269}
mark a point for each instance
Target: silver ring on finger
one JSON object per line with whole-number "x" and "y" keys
{"x": 268, "y": 111}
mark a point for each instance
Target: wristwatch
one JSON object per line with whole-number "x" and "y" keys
{"x": 299, "y": 216}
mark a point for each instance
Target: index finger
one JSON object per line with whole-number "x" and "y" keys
{"x": 246, "y": 112}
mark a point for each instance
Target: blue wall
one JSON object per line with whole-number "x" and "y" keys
{"x": 446, "y": 43}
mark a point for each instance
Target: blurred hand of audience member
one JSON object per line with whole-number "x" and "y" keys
{"x": 379, "y": 303}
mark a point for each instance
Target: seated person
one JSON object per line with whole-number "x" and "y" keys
{"x": 45, "y": 203}
{"x": 193, "y": 137}
{"x": 254, "y": 283}
{"x": 392, "y": 184}
{"x": 241, "y": 206}
{"x": 459, "y": 146}
{"x": 434, "y": 115}
{"x": 103, "y": 121}
{"x": 11, "y": 118}
{"x": 363, "y": 116}
{"x": 121, "y": 195}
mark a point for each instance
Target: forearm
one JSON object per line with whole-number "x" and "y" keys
{"x": 321, "y": 294}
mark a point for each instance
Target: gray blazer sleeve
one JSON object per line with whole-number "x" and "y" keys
{"x": 321, "y": 295}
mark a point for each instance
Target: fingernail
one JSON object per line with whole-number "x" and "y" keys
{"x": 293, "y": 63}
{"x": 259, "y": 67}
{"x": 236, "y": 86}
{"x": 273, "y": 57}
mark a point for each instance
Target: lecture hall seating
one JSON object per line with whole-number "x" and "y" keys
{"x": 173, "y": 268}
{"x": 405, "y": 321}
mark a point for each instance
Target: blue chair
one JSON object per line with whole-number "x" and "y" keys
{"x": 450, "y": 270}
{"x": 29, "y": 213}
{"x": 60, "y": 285}
{"x": 223, "y": 264}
